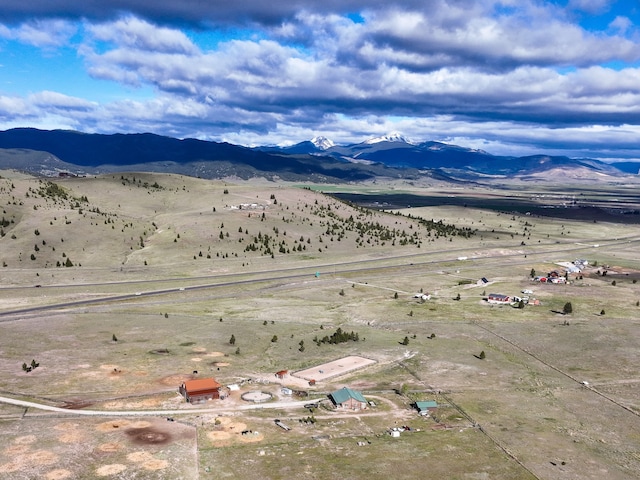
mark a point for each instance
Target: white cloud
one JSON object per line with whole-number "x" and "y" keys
{"x": 621, "y": 24}
{"x": 141, "y": 35}
{"x": 48, "y": 99}
{"x": 42, "y": 33}
{"x": 590, "y": 6}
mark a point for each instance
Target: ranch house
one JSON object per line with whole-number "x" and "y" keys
{"x": 200, "y": 390}
{"x": 499, "y": 298}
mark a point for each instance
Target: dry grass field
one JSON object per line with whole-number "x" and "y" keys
{"x": 163, "y": 270}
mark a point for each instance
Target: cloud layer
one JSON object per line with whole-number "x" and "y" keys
{"x": 506, "y": 76}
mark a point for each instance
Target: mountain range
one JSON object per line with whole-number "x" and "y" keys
{"x": 319, "y": 160}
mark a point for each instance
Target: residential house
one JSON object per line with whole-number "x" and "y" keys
{"x": 348, "y": 399}
{"x": 498, "y": 298}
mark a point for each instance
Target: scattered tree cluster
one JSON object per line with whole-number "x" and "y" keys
{"x": 339, "y": 336}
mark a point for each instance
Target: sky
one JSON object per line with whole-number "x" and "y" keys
{"x": 511, "y": 77}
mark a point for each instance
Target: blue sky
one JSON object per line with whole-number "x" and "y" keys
{"x": 510, "y": 77}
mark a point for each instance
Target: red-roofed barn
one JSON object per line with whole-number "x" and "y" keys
{"x": 200, "y": 390}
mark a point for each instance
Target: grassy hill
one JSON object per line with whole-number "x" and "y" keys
{"x": 177, "y": 225}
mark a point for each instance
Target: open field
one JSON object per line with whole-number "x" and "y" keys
{"x": 163, "y": 276}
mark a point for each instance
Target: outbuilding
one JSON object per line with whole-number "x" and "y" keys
{"x": 425, "y": 408}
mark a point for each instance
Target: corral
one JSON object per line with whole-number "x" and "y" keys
{"x": 334, "y": 368}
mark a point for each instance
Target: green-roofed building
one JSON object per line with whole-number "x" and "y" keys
{"x": 425, "y": 407}
{"x": 348, "y": 399}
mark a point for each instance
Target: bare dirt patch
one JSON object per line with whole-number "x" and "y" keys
{"x": 110, "y": 447}
{"x": 113, "y": 469}
{"x": 198, "y": 349}
{"x": 220, "y": 364}
{"x": 41, "y": 457}
{"x": 139, "y": 457}
{"x": 112, "y": 425}
{"x": 215, "y": 354}
{"x": 10, "y": 467}
{"x": 16, "y": 450}
{"x": 72, "y": 437}
{"x": 140, "y": 424}
{"x": 218, "y": 435}
{"x": 58, "y": 474}
{"x": 155, "y": 464}
{"x": 196, "y": 359}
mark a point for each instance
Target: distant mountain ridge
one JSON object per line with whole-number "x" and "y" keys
{"x": 318, "y": 160}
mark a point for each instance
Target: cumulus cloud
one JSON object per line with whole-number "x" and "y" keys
{"x": 48, "y": 33}
{"x": 500, "y": 72}
{"x": 59, "y": 101}
{"x": 142, "y": 35}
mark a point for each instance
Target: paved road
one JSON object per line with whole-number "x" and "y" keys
{"x": 304, "y": 272}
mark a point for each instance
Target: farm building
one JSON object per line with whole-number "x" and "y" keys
{"x": 499, "y": 298}
{"x": 200, "y": 390}
{"x": 425, "y": 408}
{"x": 348, "y": 399}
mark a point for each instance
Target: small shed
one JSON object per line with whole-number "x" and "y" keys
{"x": 425, "y": 408}
{"x": 348, "y": 399}
{"x": 200, "y": 390}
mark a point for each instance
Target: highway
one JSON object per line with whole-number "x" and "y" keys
{"x": 296, "y": 273}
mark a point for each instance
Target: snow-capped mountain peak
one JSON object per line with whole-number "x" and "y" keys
{"x": 323, "y": 143}
{"x": 390, "y": 137}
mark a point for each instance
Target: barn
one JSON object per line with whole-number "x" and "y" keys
{"x": 200, "y": 390}
{"x": 348, "y": 399}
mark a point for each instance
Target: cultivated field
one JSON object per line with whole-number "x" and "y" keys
{"x": 172, "y": 278}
